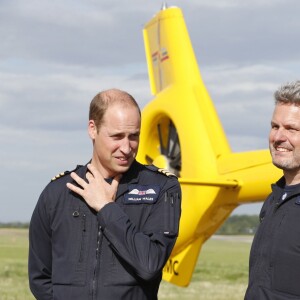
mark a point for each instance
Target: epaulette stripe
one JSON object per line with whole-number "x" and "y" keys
{"x": 166, "y": 172}
{"x": 64, "y": 173}
{"x": 59, "y": 175}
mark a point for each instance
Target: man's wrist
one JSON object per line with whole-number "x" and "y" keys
{"x": 102, "y": 205}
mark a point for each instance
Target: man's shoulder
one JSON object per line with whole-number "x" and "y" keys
{"x": 157, "y": 174}
{"x": 152, "y": 175}
{"x": 161, "y": 171}
{"x": 62, "y": 175}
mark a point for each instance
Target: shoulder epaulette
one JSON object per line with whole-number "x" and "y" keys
{"x": 60, "y": 175}
{"x": 64, "y": 173}
{"x": 165, "y": 172}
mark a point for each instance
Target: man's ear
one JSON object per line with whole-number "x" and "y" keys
{"x": 92, "y": 129}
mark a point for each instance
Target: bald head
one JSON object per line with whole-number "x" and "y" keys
{"x": 107, "y": 98}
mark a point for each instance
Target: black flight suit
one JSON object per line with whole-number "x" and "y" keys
{"x": 117, "y": 253}
{"x": 275, "y": 253}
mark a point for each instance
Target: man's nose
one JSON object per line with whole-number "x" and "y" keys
{"x": 280, "y": 134}
{"x": 125, "y": 146}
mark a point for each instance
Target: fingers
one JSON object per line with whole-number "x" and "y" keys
{"x": 89, "y": 176}
{"x": 95, "y": 187}
{"x": 93, "y": 173}
{"x": 75, "y": 189}
{"x": 93, "y": 170}
{"x": 79, "y": 181}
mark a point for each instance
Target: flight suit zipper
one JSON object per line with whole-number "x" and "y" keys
{"x": 82, "y": 217}
{"x": 83, "y": 242}
{"x": 96, "y": 264}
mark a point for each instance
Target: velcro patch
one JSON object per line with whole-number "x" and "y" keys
{"x": 139, "y": 194}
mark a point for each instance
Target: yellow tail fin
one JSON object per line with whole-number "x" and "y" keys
{"x": 169, "y": 53}
{"x": 179, "y": 268}
{"x": 181, "y": 131}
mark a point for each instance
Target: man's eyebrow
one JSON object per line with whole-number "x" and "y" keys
{"x": 115, "y": 133}
{"x": 118, "y": 133}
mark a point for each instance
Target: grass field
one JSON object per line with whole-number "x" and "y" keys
{"x": 13, "y": 264}
{"x": 221, "y": 272}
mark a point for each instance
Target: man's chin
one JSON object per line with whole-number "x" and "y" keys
{"x": 279, "y": 166}
{"x": 282, "y": 165}
{"x": 122, "y": 169}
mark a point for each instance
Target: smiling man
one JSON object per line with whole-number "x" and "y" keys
{"x": 106, "y": 229}
{"x": 274, "y": 269}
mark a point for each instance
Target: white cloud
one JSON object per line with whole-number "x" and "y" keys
{"x": 56, "y": 55}
{"x": 221, "y": 4}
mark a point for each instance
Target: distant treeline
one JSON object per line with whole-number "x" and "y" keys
{"x": 234, "y": 225}
{"x": 14, "y": 225}
{"x": 239, "y": 224}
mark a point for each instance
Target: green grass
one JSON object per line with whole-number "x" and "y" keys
{"x": 221, "y": 272}
{"x": 13, "y": 265}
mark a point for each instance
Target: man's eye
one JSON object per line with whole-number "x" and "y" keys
{"x": 292, "y": 130}
{"x": 116, "y": 137}
{"x": 134, "y": 137}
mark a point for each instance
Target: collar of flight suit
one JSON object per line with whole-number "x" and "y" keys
{"x": 129, "y": 177}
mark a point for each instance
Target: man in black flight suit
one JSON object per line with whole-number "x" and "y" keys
{"x": 106, "y": 229}
{"x": 275, "y": 254}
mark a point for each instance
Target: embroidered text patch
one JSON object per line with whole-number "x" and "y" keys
{"x": 141, "y": 194}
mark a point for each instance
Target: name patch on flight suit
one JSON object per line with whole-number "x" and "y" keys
{"x": 142, "y": 194}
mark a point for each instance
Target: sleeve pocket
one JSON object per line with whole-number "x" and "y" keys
{"x": 170, "y": 214}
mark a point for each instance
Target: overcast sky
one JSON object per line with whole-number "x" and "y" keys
{"x": 55, "y": 55}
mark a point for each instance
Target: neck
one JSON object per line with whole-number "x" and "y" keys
{"x": 105, "y": 173}
{"x": 291, "y": 178}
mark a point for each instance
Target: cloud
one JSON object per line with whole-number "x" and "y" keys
{"x": 56, "y": 55}
{"x": 249, "y": 90}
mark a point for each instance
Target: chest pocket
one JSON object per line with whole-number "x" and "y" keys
{"x": 70, "y": 245}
